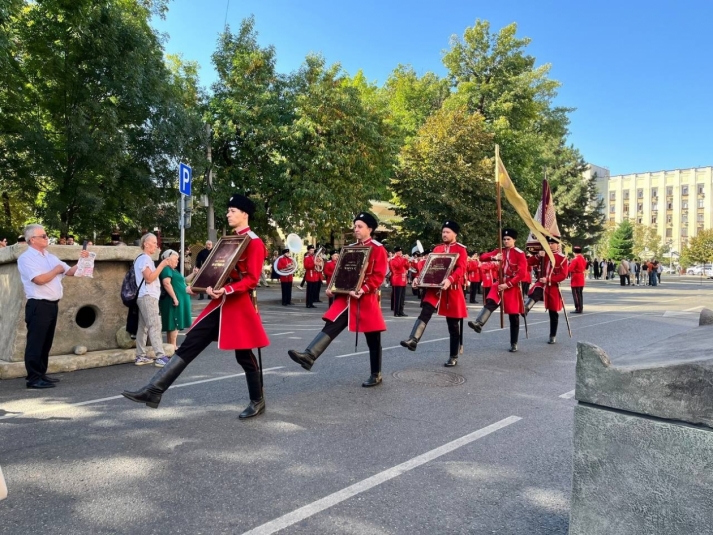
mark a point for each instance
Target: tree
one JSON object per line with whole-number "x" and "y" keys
{"x": 446, "y": 172}
{"x": 94, "y": 133}
{"x": 647, "y": 242}
{"x": 621, "y": 243}
{"x": 579, "y": 212}
{"x": 699, "y": 250}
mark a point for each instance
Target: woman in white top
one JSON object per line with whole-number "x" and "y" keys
{"x": 149, "y": 293}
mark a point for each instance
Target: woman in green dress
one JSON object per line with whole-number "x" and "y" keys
{"x": 175, "y": 303}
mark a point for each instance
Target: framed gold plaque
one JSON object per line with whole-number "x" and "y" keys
{"x": 437, "y": 268}
{"x": 350, "y": 270}
{"x": 221, "y": 261}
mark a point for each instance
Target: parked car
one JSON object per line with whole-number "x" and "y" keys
{"x": 705, "y": 269}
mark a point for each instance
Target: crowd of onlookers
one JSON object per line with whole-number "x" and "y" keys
{"x": 645, "y": 273}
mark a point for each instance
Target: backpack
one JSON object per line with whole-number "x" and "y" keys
{"x": 129, "y": 288}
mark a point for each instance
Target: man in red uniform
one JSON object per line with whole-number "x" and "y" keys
{"x": 449, "y": 300}
{"x": 474, "y": 277}
{"x": 515, "y": 270}
{"x": 329, "y": 267}
{"x": 285, "y": 280}
{"x": 365, "y": 302}
{"x": 312, "y": 276}
{"x": 486, "y": 276}
{"x": 399, "y": 267}
{"x": 547, "y": 287}
{"x": 230, "y": 319}
{"x": 577, "y": 269}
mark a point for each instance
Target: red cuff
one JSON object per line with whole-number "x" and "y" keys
{"x": 229, "y": 290}
{"x": 365, "y": 289}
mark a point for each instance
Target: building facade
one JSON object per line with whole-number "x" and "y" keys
{"x": 678, "y": 203}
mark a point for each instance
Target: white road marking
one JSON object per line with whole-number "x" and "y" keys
{"x": 390, "y": 347}
{"x": 320, "y": 505}
{"x": 280, "y": 334}
{"x": 65, "y": 406}
{"x": 694, "y": 308}
{"x": 568, "y": 395}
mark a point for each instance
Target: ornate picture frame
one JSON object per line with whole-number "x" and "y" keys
{"x": 437, "y": 268}
{"x": 221, "y": 261}
{"x": 350, "y": 270}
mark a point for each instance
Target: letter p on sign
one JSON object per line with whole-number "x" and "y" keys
{"x": 184, "y": 179}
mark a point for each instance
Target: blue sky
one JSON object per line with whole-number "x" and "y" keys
{"x": 639, "y": 73}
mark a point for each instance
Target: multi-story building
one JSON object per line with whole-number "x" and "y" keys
{"x": 678, "y": 203}
{"x": 602, "y": 177}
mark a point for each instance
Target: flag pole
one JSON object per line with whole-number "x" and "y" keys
{"x": 500, "y": 233}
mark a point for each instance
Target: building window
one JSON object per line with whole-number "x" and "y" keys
{"x": 638, "y": 220}
{"x": 640, "y": 193}
{"x": 626, "y": 208}
{"x": 684, "y": 232}
{"x": 640, "y": 207}
{"x": 669, "y": 191}
{"x": 626, "y": 194}
{"x": 669, "y": 205}
{"x": 655, "y": 206}
{"x": 654, "y": 192}
{"x": 701, "y": 188}
{"x": 684, "y": 218}
{"x": 669, "y": 233}
{"x": 684, "y": 205}
{"x": 699, "y": 230}
{"x": 612, "y": 195}
{"x": 654, "y": 219}
{"x": 669, "y": 219}
{"x": 701, "y": 203}
{"x": 612, "y": 208}
{"x": 684, "y": 190}
{"x": 699, "y": 218}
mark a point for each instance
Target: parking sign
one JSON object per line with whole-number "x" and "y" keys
{"x": 185, "y": 173}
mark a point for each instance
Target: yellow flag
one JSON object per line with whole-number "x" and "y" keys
{"x": 520, "y": 206}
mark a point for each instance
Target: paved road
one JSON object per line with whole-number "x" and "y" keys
{"x": 481, "y": 448}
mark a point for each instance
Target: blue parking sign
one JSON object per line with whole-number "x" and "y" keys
{"x": 185, "y": 173}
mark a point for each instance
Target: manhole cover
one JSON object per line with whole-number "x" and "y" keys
{"x": 430, "y": 377}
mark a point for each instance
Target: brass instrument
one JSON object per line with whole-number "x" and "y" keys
{"x": 318, "y": 260}
{"x": 294, "y": 244}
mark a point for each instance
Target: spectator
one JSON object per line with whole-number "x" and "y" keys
{"x": 637, "y": 272}
{"x": 175, "y": 303}
{"x": 201, "y": 257}
{"x": 70, "y": 240}
{"x": 651, "y": 268}
{"x": 62, "y": 240}
{"x": 659, "y": 270}
{"x": 273, "y": 274}
{"x": 611, "y": 268}
{"x": 21, "y": 239}
{"x": 149, "y": 294}
{"x": 624, "y": 273}
{"x": 116, "y": 238}
{"x": 3, "y": 243}
{"x": 41, "y": 273}
{"x": 597, "y": 269}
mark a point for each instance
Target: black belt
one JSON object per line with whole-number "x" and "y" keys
{"x": 45, "y": 300}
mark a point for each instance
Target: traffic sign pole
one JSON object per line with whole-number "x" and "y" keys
{"x": 182, "y": 223}
{"x": 185, "y": 174}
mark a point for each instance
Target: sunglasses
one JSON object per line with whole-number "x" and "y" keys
{"x": 43, "y": 236}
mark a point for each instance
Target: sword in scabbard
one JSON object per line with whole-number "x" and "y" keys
{"x": 564, "y": 309}
{"x": 356, "y": 327}
{"x": 253, "y": 297}
{"x": 524, "y": 316}
{"x": 461, "y": 337}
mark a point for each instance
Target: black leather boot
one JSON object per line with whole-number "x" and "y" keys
{"x": 552, "y": 340}
{"x": 375, "y": 363}
{"x": 455, "y": 348}
{"x": 312, "y": 353}
{"x": 513, "y": 348}
{"x": 514, "y": 332}
{"x": 257, "y": 399}
{"x": 452, "y": 361}
{"x": 159, "y": 383}
{"x": 373, "y": 380}
{"x": 480, "y": 321}
{"x": 416, "y": 333}
{"x": 528, "y": 305}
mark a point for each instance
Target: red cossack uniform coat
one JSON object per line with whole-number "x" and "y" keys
{"x": 399, "y": 267}
{"x": 577, "y": 269}
{"x": 283, "y": 264}
{"x": 329, "y": 268}
{"x": 474, "y": 271}
{"x": 553, "y": 299}
{"x": 451, "y": 302}
{"x": 370, "y": 316}
{"x": 486, "y": 273}
{"x": 311, "y": 274}
{"x": 240, "y": 324}
{"x": 515, "y": 271}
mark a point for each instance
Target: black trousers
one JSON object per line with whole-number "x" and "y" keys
{"x": 578, "y": 297}
{"x": 399, "y": 297}
{"x": 427, "y": 310}
{"x": 318, "y": 291}
{"x": 373, "y": 339}
{"x": 206, "y": 331}
{"x": 286, "y": 292}
{"x": 554, "y": 322}
{"x": 474, "y": 291}
{"x": 41, "y": 320}
{"x": 525, "y": 288}
{"x": 513, "y": 318}
{"x": 312, "y": 289}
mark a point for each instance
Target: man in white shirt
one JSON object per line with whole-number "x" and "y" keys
{"x": 41, "y": 273}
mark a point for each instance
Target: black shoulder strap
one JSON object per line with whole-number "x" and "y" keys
{"x": 142, "y": 276}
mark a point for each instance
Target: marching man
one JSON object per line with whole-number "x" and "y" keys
{"x": 399, "y": 267}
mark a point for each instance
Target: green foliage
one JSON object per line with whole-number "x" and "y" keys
{"x": 699, "y": 250}
{"x": 96, "y": 123}
{"x": 446, "y": 173}
{"x": 647, "y": 242}
{"x": 621, "y": 243}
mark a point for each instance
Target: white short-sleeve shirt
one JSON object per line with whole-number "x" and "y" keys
{"x": 32, "y": 263}
{"x": 153, "y": 289}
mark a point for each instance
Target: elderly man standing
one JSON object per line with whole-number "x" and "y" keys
{"x": 41, "y": 273}
{"x": 624, "y": 273}
{"x": 202, "y": 257}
